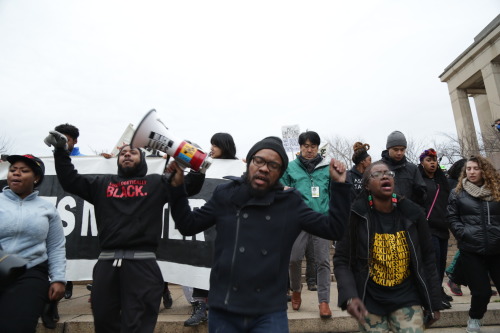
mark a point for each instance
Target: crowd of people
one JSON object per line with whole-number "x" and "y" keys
{"x": 390, "y": 220}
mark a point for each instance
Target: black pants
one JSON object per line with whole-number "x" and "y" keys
{"x": 200, "y": 293}
{"x": 441, "y": 250}
{"x": 22, "y": 302}
{"x": 477, "y": 269}
{"x": 126, "y": 298}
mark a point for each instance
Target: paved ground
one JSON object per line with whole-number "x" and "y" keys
{"x": 76, "y": 315}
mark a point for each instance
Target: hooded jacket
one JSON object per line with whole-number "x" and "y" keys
{"x": 254, "y": 240}
{"x": 128, "y": 208}
{"x": 475, "y": 223}
{"x": 298, "y": 177}
{"x": 351, "y": 263}
{"x": 438, "y": 223}
{"x": 408, "y": 180}
{"x": 32, "y": 229}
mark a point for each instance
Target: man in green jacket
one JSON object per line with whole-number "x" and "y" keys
{"x": 309, "y": 174}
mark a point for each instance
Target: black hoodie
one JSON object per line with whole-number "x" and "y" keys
{"x": 128, "y": 209}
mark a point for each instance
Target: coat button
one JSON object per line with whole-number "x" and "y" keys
{"x": 264, "y": 252}
{"x": 257, "y": 290}
{"x": 242, "y": 249}
{"x": 268, "y": 217}
{"x": 245, "y": 215}
{"x": 235, "y": 288}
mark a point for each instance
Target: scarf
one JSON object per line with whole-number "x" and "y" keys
{"x": 480, "y": 192}
{"x": 311, "y": 164}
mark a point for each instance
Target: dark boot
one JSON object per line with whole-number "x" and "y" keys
{"x": 50, "y": 315}
{"x": 167, "y": 298}
{"x": 199, "y": 315}
{"x": 68, "y": 292}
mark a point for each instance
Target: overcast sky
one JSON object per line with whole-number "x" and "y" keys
{"x": 357, "y": 69}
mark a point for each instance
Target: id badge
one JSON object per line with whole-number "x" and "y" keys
{"x": 315, "y": 191}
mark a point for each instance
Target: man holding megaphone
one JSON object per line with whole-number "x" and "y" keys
{"x": 127, "y": 282}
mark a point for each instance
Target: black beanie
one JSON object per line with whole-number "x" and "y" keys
{"x": 273, "y": 143}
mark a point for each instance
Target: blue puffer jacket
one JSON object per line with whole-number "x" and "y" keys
{"x": 32, "y": 229}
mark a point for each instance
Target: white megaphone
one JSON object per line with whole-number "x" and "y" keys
{"x": 153, "y": 133}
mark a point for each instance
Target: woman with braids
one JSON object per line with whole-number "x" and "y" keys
{"x": 474, "y": 216}
{"x": 361, "y": 160}
{"x": 385, "y": 265}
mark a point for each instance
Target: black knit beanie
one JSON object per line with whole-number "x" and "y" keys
{"x": 273, "y": 143}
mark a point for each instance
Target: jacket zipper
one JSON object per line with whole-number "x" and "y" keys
{"x": 226, "y": 299}
{"x": 369, "y": 268}
{"x": 419, "y": 276}
{"x": 368, "y": 248}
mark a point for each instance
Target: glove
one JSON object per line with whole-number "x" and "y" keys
{"x": 56, "y": 139}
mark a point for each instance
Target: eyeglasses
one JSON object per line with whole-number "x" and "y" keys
{"x": 381, "y": 174}
{"x": 260, "y": 162}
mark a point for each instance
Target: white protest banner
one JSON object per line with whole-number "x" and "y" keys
{"x": 183, "y": 260}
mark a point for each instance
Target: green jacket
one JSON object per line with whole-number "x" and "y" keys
{"x": 296, "y": 176}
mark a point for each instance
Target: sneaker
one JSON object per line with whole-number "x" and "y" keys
{"x": 445, "y": 296}
{"x": 446, "y": 304}
{"x": 89, "y": 287}
{"x": 454, "y": 288}
{"x": 167, "y": 299}
{"x": 473, "y": 325}
{"x": 312, "y": 287}
{"x": 199, "y": 315}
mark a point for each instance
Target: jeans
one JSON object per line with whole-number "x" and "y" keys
{"x": 228, "y": 322}
{"x": 322, "y": 257}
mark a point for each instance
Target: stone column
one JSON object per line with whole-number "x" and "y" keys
{"x": 490, "y": 110}
{"x": 464, "y": 122}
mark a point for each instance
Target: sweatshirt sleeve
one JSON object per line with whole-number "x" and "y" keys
{"x": 69, "y": 178}
{"x": 56, "y": 250}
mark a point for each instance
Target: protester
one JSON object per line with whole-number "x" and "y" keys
{"x": 31, "y": 229}
{"x": 127, "y": 282}
{"x": 72, "y": 133}
{"x": 474, "y": 216}
{"x": 452, "y": 271}
{"x": 385, "y": 264}
{"x": 309, "y": 174}
{"x": 438, "y": 192}
{"x": 409, "y": 182}
{"x": 361, "y": 160}
{"x": 223, "y": 147}
{"x": 257, "y": 223}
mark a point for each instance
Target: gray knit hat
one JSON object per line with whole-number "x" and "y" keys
{"x": 273, "y": 143}
{"x": 396, "y": 138}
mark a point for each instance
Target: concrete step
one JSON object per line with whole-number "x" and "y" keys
{"x": 76, "y": 315}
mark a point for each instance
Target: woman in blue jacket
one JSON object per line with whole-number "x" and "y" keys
{"x": 30, "y": 228}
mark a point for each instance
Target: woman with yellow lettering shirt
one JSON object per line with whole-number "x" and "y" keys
{"x": 385, "y": 265}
